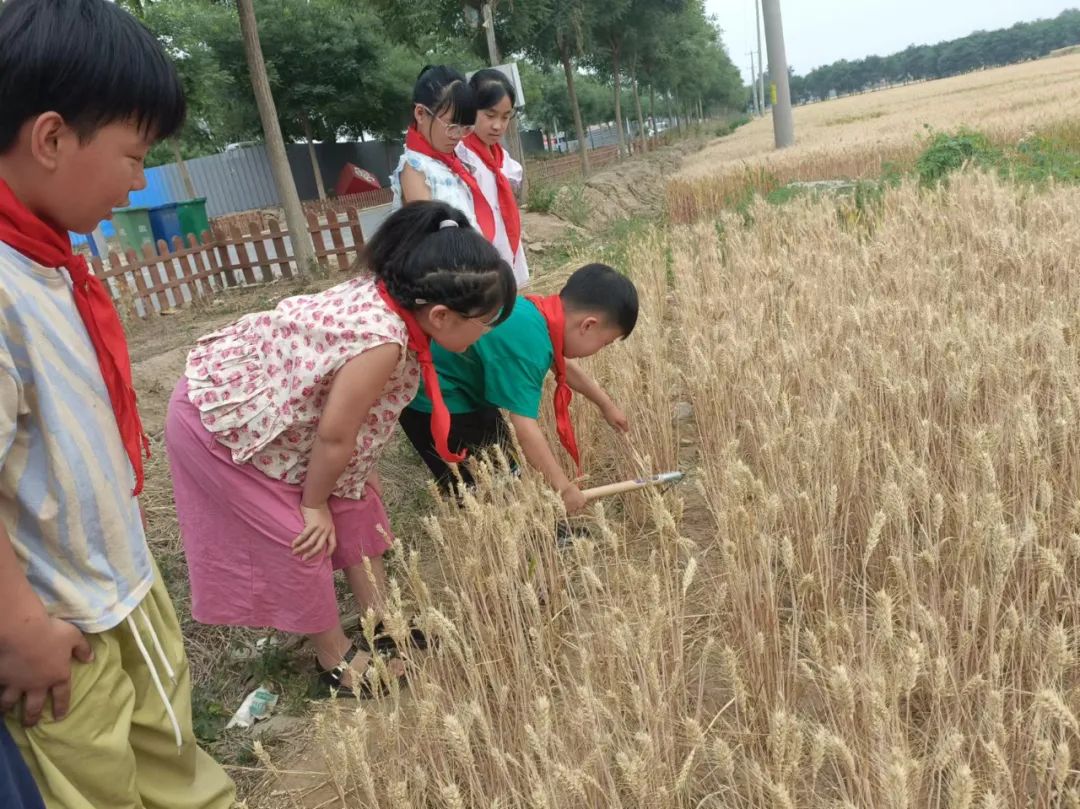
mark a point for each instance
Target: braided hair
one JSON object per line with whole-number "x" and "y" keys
{"x": 422, "y": 260}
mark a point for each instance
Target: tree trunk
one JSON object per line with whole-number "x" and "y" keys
{"x": 642, "y": 135}
{"x": 185, "y": 175}
{"x": 652, "y": 113}
{"x": 314, "y": 159}
{"x": 615, "y": 71}
{"x": 568, "y": 69}
{"x": 489, "y": 31}
{"x": 512, "y": 139}
{"x": 303, "y": 249}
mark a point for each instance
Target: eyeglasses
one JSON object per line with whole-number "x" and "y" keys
{"x": 452, "y": 130}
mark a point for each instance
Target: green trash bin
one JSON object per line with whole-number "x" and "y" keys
{"x": 133, "y": 228}
{"x": 193, "y": 218}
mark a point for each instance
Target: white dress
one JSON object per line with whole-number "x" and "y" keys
{"x": 445, "y": 186}
{"x": 485, "y": 178}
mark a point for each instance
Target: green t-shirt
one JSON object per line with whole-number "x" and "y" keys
{"x": 505, "y": 368}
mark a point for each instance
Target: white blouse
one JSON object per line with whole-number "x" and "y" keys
{"x": 485, "y": 178}
{"x": 445, "y": 186}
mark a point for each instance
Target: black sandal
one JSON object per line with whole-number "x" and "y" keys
{"x": 329, "y": 683}
{"x": 386, "y": 646}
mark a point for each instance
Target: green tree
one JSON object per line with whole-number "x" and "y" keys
{"x": 323, "y": 63}
{"x": 220, "y": 109}
{"x": 561, "y": 39}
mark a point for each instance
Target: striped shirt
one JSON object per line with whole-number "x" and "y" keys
{"x": 65, "y": 479}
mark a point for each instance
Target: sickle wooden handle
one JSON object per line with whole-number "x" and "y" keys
{"x": 630, "y": 485}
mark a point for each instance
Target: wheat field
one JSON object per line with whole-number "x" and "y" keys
{"x": 862, "y": 136}
{"x": 1005, "y": 102}
{"x": 865, "y": 596}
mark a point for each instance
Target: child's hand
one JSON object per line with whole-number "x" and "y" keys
{"x": 318, "y": 535}
{"x": 616, "y": 418}
{"x": 573, "y": 499}
{"x": 33, "y": 671}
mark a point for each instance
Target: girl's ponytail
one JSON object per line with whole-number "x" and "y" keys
{"x": 423, "y": 259}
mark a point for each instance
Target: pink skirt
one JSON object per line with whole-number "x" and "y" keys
{"x": 238, "y": 526}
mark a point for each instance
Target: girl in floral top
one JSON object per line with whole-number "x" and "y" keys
{"x": 275, "y": 429}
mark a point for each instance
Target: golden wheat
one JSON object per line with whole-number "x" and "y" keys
{"x": 867, "y": 594}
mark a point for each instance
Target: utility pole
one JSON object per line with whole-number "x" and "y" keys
{"x": 513, "y": 134}
{"x": 754, "y": 86}
{"x": 489, "y": 31}
{"x": 303, "y": 248}
{"x": 759, "y": 84}
{"x": 779, "y": 89}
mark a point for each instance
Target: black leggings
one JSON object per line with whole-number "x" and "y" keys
{"x": 474, "y": 432}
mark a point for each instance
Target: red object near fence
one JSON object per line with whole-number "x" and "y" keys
{"x": 354, "y": 180}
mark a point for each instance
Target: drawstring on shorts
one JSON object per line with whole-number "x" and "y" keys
{"x": 153, "y": 669}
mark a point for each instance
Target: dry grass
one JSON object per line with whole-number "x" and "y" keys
{"x": 867, "y": 595}
{"x": 857, "y": 136}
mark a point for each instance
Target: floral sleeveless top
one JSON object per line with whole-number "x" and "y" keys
{"x": 445, "y": 186}
{"x": 261, "y": 383}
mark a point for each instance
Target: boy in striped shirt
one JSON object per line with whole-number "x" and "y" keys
{"x": 94, "y": 683}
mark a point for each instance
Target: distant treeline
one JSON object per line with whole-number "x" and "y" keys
{"x": 1005, "y": 46}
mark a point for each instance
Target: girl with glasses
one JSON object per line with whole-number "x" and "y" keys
{"x": 444, "y": 113}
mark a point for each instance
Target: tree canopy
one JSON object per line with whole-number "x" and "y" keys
{"x": 345, "y": 68}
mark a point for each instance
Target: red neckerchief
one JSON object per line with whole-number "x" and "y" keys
{"x": 51, "y": 247}
{"x": 494, "y": 157}
{"x": 421, "y": 344}
{"x": 485, "y": 218}
{"x": 551, "y": 307}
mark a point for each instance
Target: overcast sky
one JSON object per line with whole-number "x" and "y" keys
{"x": 818, "y": 32}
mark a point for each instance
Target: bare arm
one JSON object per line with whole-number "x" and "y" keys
{"x": 581, "y": 382}
{"x": 353, "y": 392}
{"x": 355, "y": 389}
{"x": 413, "y": 185}
{"x": 35, "y": 649}
{"x": 539, "y": 455}
{"x": 375, "y": 482}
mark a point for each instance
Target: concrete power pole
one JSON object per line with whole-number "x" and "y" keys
{"x": 755, "y": 101}
{"x": 513, "y": 133}
{"x": 780, "y": 88}
{"x": 759, "y": 83}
